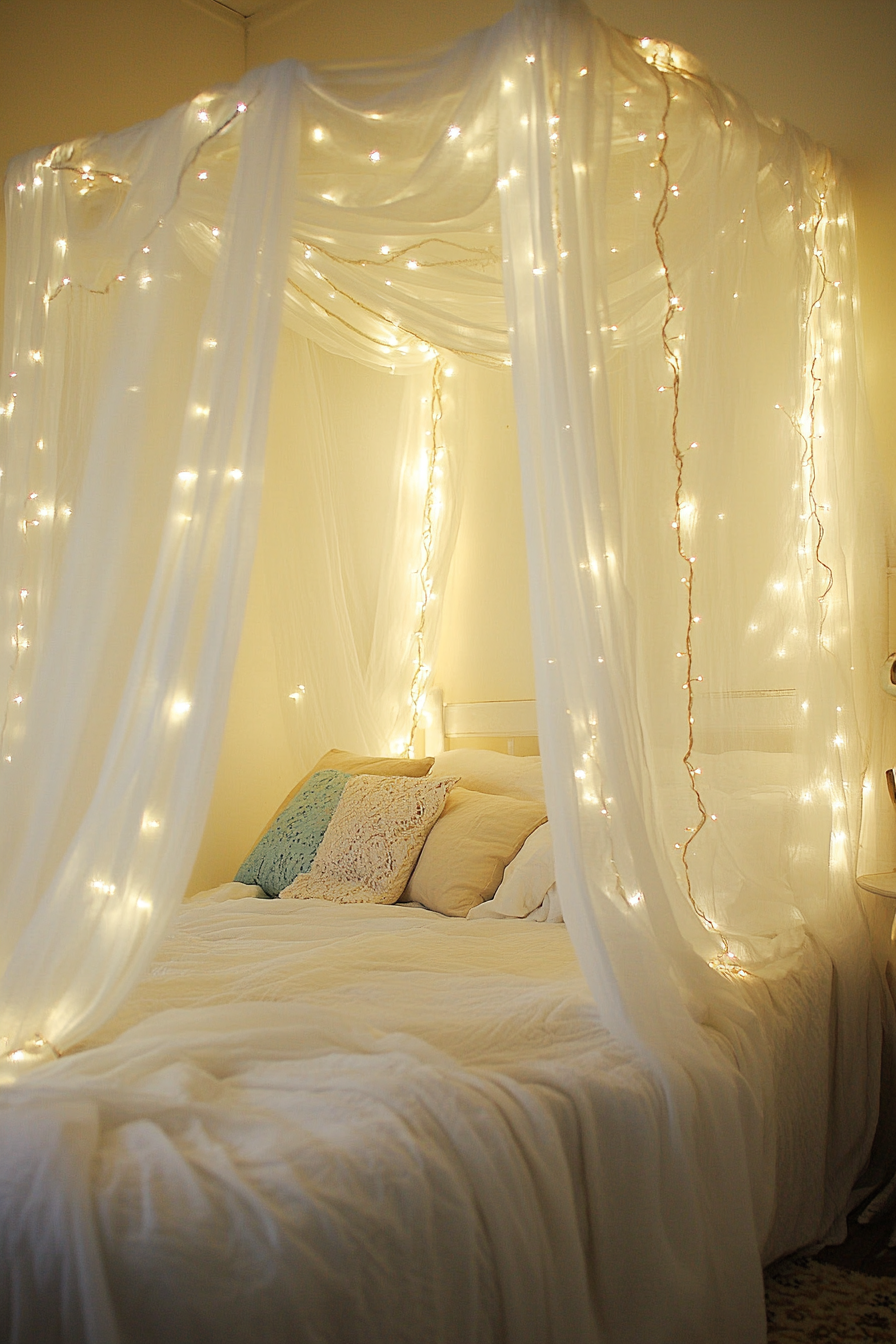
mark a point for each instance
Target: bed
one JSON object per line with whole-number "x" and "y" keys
{"x": 345, "y": 1122}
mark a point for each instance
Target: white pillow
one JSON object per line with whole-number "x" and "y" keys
{"x": 527, "y": 880}
{"x": 492, "y": 772}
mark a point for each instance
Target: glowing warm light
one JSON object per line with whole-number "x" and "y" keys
{"x": 453, "y": 132}
{"x": 317, "y": 133}
{"x": 180, "y": 708}
{"x": 374, "y": 156}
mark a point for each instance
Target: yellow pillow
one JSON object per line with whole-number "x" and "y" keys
{"x": 466, "y": 852}
{"x": 350, "y": 764}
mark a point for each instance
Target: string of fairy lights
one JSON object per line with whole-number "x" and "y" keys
{"x": 805, "y": 424}
{"x": 434, "y": 455}
{"x": 322, "y": 263}
{"x": 420, "y": 254}
{"x": 662, "y": 63}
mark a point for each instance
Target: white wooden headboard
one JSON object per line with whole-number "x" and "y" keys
{"x": 507, "y": 719}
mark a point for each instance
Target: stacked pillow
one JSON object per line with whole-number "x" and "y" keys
{"x": 380, "y": 829}
{"x": 463, "y": 861}
{"x": 289, "y": 842}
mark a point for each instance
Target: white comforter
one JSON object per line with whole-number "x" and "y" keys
{"x": 365, "y": 1124}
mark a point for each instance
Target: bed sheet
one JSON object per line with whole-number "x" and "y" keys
{"x": 362, "y": 1123}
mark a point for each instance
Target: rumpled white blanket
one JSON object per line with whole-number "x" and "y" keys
{"x": 322, "y": 1123}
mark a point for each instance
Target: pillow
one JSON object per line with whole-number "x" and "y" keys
{"x": 373, "y": 840}
{"x": 527, "y": 880}
{"x": 290, "y": 843}
{"x": 468, "y": 848}
{"x": 492, "y": 772}
{"x": 350, "y": 764}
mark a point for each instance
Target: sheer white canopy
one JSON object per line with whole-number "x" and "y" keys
{"x": 669, "y": 281}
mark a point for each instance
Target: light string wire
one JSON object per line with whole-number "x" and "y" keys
{"x": 805, "y": 425}
{"x": 32, "y": 1049}
{"x": 477, "y": 256}
{"x": 487, "y": 361}
{"x": 90, "y": 174}
{"x": 427, "y": 555}
{"x": 664, "y": 65}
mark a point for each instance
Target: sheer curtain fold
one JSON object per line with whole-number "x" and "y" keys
{"x": 109, "y": 767}
{"x": 672, "y": 281}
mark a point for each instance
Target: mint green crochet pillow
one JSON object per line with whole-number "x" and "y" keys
{"x": 290, "y": 843}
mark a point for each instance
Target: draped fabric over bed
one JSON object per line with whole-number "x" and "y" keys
{"x": 669, "y": 281}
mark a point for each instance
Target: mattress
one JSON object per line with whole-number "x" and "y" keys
{"x": 347, "y": 1123}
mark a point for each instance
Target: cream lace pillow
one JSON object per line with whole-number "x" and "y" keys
{"x": 373, "y": 840}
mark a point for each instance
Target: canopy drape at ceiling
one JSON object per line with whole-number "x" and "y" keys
{"x": 669, "y": 281}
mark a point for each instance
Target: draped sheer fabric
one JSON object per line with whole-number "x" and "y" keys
{"x": 669, "y": 281}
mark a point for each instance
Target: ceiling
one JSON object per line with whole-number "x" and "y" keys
{"x": 248, "y": 9}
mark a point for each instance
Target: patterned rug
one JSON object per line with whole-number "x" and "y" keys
{"x": 809, "y": 1302}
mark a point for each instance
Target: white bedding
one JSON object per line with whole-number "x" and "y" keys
{"x": 356, "y": 1123}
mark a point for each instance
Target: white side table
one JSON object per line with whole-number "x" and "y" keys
{"x": 881, "y": 884}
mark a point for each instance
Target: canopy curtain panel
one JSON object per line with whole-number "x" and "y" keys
{"x": 669, "y": 281}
